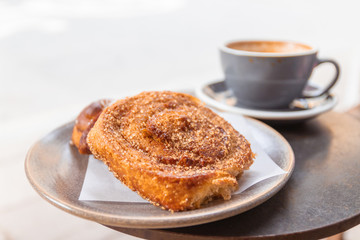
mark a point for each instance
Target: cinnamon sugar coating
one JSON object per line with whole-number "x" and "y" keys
{"x": 170, "y": 148}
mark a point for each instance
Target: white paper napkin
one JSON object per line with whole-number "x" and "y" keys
{"x": 101, "y": 185}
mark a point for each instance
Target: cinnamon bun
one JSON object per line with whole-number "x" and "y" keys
{"x": 84, "y": 122}
{"x": 170, "y": 149}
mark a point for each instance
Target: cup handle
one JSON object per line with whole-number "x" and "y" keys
{"x": 333, "y": 81}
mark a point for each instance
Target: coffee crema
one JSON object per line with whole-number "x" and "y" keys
{"x": 269, "y": 46}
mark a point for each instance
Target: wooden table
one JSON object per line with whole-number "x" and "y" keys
{"x": 322, "y": 197}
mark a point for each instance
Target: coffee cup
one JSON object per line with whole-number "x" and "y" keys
{"x": 271, "y": 74}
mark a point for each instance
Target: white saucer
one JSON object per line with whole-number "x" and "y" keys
{"x": 217, "y": 95}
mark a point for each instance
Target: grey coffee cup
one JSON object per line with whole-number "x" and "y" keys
{"x": 270, "y": 74}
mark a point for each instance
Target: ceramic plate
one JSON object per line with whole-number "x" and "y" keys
{"x": 56, "y": 171}
{"x": 217, "y": 95}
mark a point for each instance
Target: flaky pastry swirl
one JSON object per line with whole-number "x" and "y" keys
{"x": 170, "y": 148}
{"x": 84, "y": 122}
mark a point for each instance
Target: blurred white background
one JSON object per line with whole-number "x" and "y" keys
{"x": 56, "y": 56}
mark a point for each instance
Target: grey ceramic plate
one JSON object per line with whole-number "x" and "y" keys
{"x": 56, "y": 171}
{"x": 216, "y": 94}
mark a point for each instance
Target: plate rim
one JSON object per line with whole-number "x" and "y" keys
{"x": 167, "y": 221}
{"x": 261, "y": 114}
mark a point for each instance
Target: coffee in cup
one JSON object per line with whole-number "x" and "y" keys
{"x": 270, "y": 74}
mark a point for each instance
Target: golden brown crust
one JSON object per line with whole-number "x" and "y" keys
{"x": 85, "y": 121}
{"x": 170, "y": 149}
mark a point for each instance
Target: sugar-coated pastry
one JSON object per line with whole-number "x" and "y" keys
{"x": 170, "y": 149}
{"x": 84, "y": 122}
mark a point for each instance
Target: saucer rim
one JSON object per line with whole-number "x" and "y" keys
{"x": 265, "y": 114}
